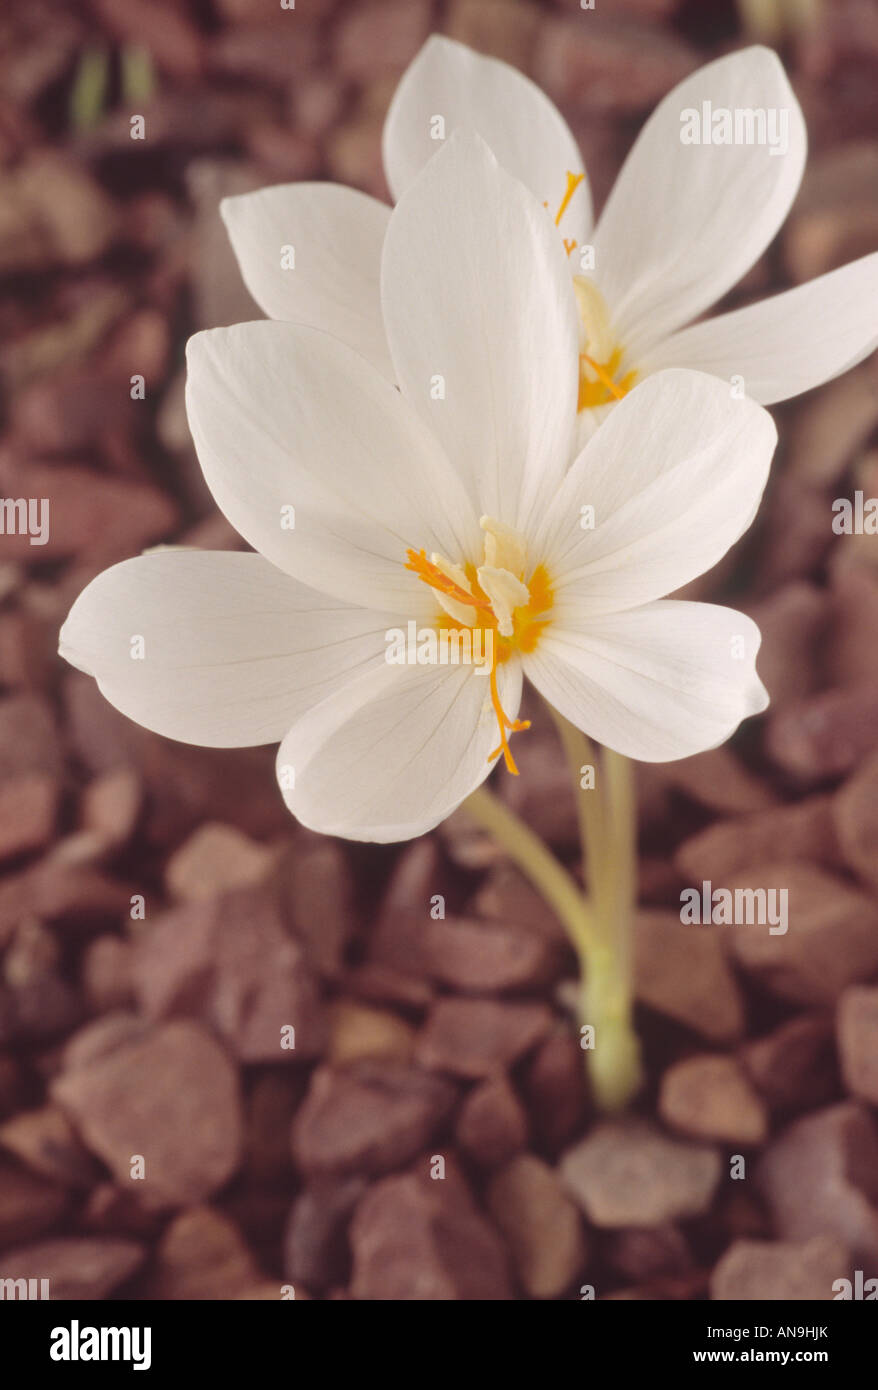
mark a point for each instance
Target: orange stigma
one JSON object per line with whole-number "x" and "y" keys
{"x": 515, "y": 726}
{"x": 501, "y": 603}
{"x": 431, "y": 574}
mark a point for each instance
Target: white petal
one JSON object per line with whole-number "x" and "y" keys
{"x": 335, "y": 235}
{"x": 674, "y": 476}
{"x": 789, "y": 343}
{"x": 396, "y": 752}
{"x": 684, "y": 222}
{"x": 525, "y": 130}
{"x": 233, "y": 649}
{"x": 285, "y": 416}
{"x": 477, "y": 292}
{"x": 657, "y": 683}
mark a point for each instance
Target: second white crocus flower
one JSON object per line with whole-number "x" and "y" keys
{"x": 683, "y": 223}
{"x": 451, "y": 502}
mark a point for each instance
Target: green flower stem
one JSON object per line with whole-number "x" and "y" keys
{"x": 537, "y": 863}
{"x": 608, "y": 828}
{"x": 580, "y": 754}
{"x": 600, "y": 928}
{"x": 608, "y": 990}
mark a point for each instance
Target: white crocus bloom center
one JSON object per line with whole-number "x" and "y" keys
{"x": 600, "y": 356}
{"x": 497, "y": 597}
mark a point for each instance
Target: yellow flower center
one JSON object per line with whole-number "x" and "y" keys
{"x": 601, "y": 378}
{"x": 495, "y": 597}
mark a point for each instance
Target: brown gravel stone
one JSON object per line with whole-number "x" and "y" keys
{"x": 317, "y": 894}
{"x": 630, "y": 1174}
{"x": 793, "y": 622}
{"x": 202, "y": 1255}
{"x": 794, "y": 1066}
{"x": 29, "y": 740}
{"x": 483, "y": 957}
{"x": 543, "y": 795}
{"x": 383, "y": 985}
{"x": 357, "y": 1031}
{"x": 397, "y": 940}
{"x": 315, "y": 103}
{"x": 271, "y": 1104}
{"x": 46, "y": 1142}
{"x": 220, "y": 296}
{"x": 835, "y": 217}
{"x": 826, "y": 735}
{"x": 189, "y": 1134}
{"x": 506, "y": 897}
{"x": 506, "y": 31}
{"x": 368, "y": 1119}
{"x": 553, "y": 1086}
{"x": 33, "y": 952}
{"x": 29, "y": 1204}
{"x": 650, "y": 1253}
{"x": 231, "y": 962}
{"x": 719, "y": 780}
{"x": 682, "y": 971}
{"x": 83, "y": 1267}
{"x": 710, "y": 1097}
{"x": 820, "y": 1177}
{"x": 102, "y": 1038}
{"x": 380, "y": 36}
{"x": 255, "y": 12}
{"x": 111, "y": 1212}
{"x": 170, "y": 36}
{"x": 28, "y": 806}
{"x": 474, "y": 1037}
{"x": 858, "y": 1041}
{"x": 267, "y": 54}
{"x": 54, "y": 211}
{"x": 492, "y": 1123}
{"x": 541, "y": 1226}
{"x": 832, "y": 940}
{"x": 316, "y": 1251}
{"x": 414, "y": 1238}
{"x": 831, "y": 424}
{"x": 107, "y": 973}
{"x": 11, "y": 1088}
{"x": 94, "y": 515}
{"x": 852, "y": 656}
{"x": 41, "y": 1008}
{"x": 760, "y": 1271}
{"x": 855, "y": 817}
{"x": 77, "y": 410}
{"x": 111, "y": 806}
{"x": 27, "y": 644}
{"x": 214, "y": 860}
{"x": 804, "y": 830}
{"x": 797, "y": 518}
{"x": 606, "y": 64}
{"x": 353, "y": 154}
{"x": 268, "y": 1292}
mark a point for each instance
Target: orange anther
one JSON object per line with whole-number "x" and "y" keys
{"x": 431, "y": 574}
{"x": 573, "y": 182}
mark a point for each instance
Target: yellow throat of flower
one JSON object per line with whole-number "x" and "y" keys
{"x": 601, "y": 380}
{"x": 496, "y": 597}
{"x": 600, "y": 357}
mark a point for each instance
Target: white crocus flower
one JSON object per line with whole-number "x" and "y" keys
{"x": 454, "y": 510}
{"x": 683, "y": 223}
